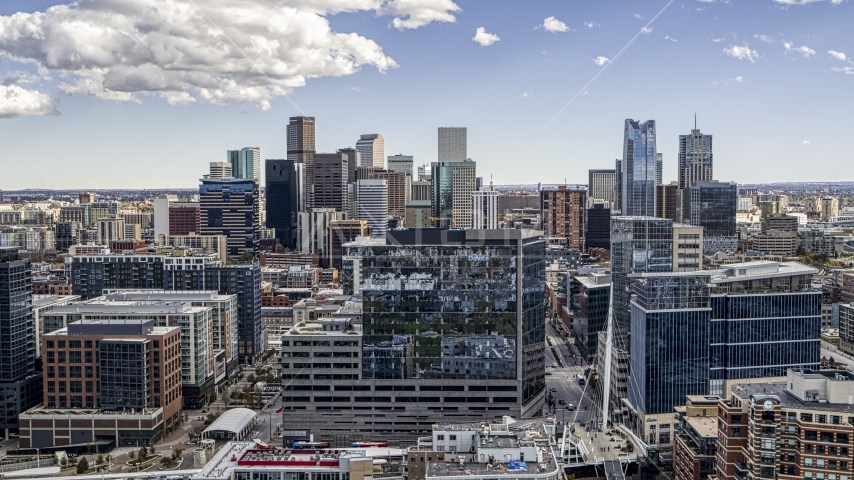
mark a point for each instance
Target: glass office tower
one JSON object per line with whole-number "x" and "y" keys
{"x": 638, "y": 244}
{"x": 638, "y": 169}
{"x": 712, "y": 205}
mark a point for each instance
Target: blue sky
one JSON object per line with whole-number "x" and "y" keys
{"x": 757, "y": 73}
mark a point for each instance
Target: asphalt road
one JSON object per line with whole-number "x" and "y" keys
{"x": 563, "y": 380}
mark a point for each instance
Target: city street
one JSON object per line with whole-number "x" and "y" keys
{"x": 563, "y": 380}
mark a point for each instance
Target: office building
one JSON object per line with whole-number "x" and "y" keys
{"x": 161, "y": 214}
{"x": 745, "y": 204}
{"x": 86, "y": 197}
{"x": 778, "y": 235}
{"x": 245, "y": 163}
{"x": 564, "y": 214}
{"x": 829, "y": 208}
{"x": 341, "y": 232}
{"x": 695, "y": 158}
{"x": 133, "y": 232}
{"x": 220, "y": 170}
{"x": 206, "y": 244}
{"x": 19, "y": 382}
{"x": 122, "y": 386}
{"x": 313, "y": 231}
{"x": 712, "y": 205}
{"x": 92, "y": 274}
{"x": 485, "y": 208}
{"x": 400, "y": 163}
{"x": 418, "y": 214}
{"x": 420, "y": 190}
{"x": 110, "y": 228}
{"x": 618, "y": 187}
{"x": 371, "y": 149}
{"x": 230, "y": 207}
{"x": 301, "y": 150}
{"x": 424, "y": 173}
{"x": 372, "y": 205}
{"x": 598, "y": 227}
{"x": 659, "y": 168}
{"x": 699, "y": 333}
{"x": 638, "y": 169}
{"x": 600, "y": 188}
{"x": 588, "y": 295}
{"x": 329, "y": 186}
{"x": 463, "y": 360}
{"x": 185, "y": 218}
{"x": 64, "y": 235}
{"x": 284, "y": 191}
{"x": 397, "y": 187}
{"x": 687, "y": 248}
{"x": 800, "y": 427}
{"x": 452, "y": 183}
{"x": 352, "y": 162}
{"x": 668, "y": 202}
{"x": 453, "y": 144}
{"x": 695, "y": 435}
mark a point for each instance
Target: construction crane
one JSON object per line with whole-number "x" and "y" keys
{"x": 436, "y": 219}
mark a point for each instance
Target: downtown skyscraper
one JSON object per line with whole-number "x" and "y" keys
{"x": 638, "y": 169}
{"x": 285, "y": 190}
{"x": 371, "y": 149}
{"x": 695, "y": 158}
{"x": 453, "y": 144}
{"x": 245, "y": 163}
{"x": 301, "y": 148}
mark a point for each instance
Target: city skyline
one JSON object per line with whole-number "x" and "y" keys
{"x": 744, "y": 69}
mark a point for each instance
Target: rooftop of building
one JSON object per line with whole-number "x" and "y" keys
{"x": 701, "y": 399}
{"x": 316, "y": 328}
{"x": 40, "y": 411}
{"x": 778, "y": 391}
{"x": 593, "y": 279}
{"x": 704, "y": 426}
{"x": 103, "y": 305}
{"x": 176, "y": 295}
{"x": 40, "y": 301}
{"x": 120, "y": 329}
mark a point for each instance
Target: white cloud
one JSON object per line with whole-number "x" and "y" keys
{"x": 591, "y": 25}
{"x": 218, "y": 51}
{"x": 16, "y": 101}
{"x": 411, "y": 14}
{"x": 796, "y": 2}
{"x": 804, "y": 50}
{"x": 836, "y": 2}
{"x": 837, "y": 55}
{"x": 356, "y": 89}
{"x": 646, "y": 30}
{"x": 600, "y": 60}
{"x": 717, "y": 40}
{"x": 739, "y": 79}
{"x": 807, "y": 142}
{"x": 527, "y": 95}
{"x": 552, "y": 24}
{"x": 765, "y": 38}
{"x": 668, "y": 37}
{"x": 484, "y": 38}
{"x": 742, "y": 52}
{"x": 846, "y": 70}
{"x": 639, "y": 16}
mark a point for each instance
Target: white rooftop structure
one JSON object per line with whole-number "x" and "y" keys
{"x": 235, "y": 423}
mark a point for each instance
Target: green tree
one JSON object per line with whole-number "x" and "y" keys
{"x": 251, "y": 379}
{"x": 82, "y": 466}
{"x": 64, "y": 462}
{"x": 245, "y": 257}
{"x": 99, "y": 460}
{"x": 131, "y": 454}
{"x": 143, "y": 453}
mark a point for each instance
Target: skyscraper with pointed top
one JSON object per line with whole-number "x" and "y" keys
{"x": 638, "y": 169}
{"x": 695, "y": 157}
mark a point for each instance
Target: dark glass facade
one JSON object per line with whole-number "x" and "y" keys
{"x": 282, "y": 200}
{"x": 689, "y": 341}
{"x": 638, "y": 244}
{"x": 638, "y": 168}
{"x": 230, "y": 207}
{"x": 712, "y": 205}
{"x": 456, "y": 307}
{"x": 599, "y": 226}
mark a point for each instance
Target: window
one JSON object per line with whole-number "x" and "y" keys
{"x": 74, "y": 344}
{"x": 75, "y": 372}
{"x": 61, "y": 357}
{"x": 440, "y": 437}
{"x": 76, "y": 386}
{"x": 806, "y": 417}
{"x": 808, "y": 462}
{"x": 88, "y": 357}
{"x": 62, "y": 387}
{"x": 60, "y": 343}
{"x": 51, "y": 372}
{"x": 51, "y": 387}
{"x": 50, "y": 345}
{"x": 819, "y": 418}
{"x": 89, "y": 387}
{"x": 89, "y": 372}
{"x": 50, "y": 358}
{"x": 61, "y": 372}
{"x": 88, "y": 343}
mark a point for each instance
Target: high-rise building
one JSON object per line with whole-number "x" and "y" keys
{"x": 185, "y": 218}
{"x": 110, "y": 228}
{"x": 659, "y": 168}
{"x": 400, "y": 163}
{"x": 687, "y": 248}
{"x": 618, "y": 187}
{"x": 668, "y": 202}
{"x": 301, "y": 149}
{"x": 638, "y": 169}
{"x": 313, "y": 231}
{"x": 485, "y": 208}
{"x": 420, "y": 190}
{"x": 19, "y": 382}
{"x": 161, "y": 214}
{"x": 371, "y": 149}
{"x": 452, "y": 183}
{"x": 230, "y": 207}
{"x": 712, "y": 205}
{"x": 329, "y": 186}
{"x": 829, "y": 208}
{"x": 600, "y": 188}
{"x": 245, "y": 163}
{"x": 372, "y": 204}
{"x": 398, "y": 185}
{"x": 341, "y": 232}
{"x": 86, "y": 197}
{"x": 564, "y": 214}
{"x": 695, "y": 158}
{"x": 699, "y": 333}
{"x": 598, "y": 227}
{"x": 352, "y": 162}
{"x": 453, "y": 144}
{"x": 283, "y": 193}
{"x": 424, "y": 173}
{"x": 64, "y": 235}
{"x": 443, "y": 364}
{"x": 745, "y": 204}
{"x": 220, "y": 169}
